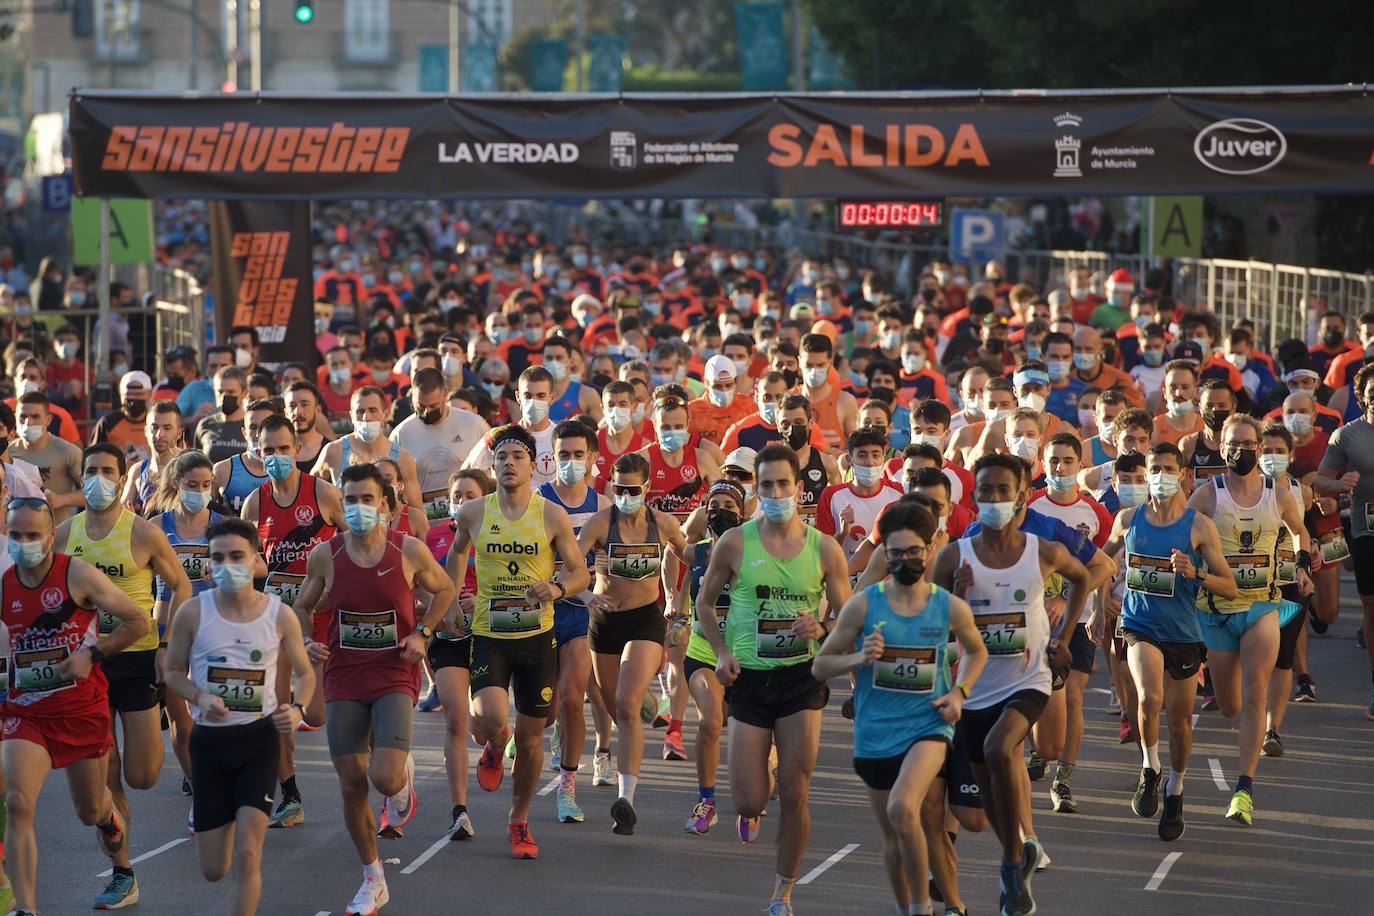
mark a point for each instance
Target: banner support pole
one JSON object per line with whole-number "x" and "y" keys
{"x": 102, "y": 340}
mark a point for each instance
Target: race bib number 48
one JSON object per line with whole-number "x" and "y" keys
{"x": 1150, "y": 575}
{"x": 909, "y": 669}
{"x": 1003, "y": 634}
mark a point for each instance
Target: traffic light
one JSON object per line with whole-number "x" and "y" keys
{"x": 305, "y": 12}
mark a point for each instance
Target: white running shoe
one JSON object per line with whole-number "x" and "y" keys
{"x": 400, "y": 808}
{"x": 603, "y": 771}
{"x": 371, "y": 897}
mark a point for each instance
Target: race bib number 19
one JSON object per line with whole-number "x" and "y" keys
{"x": 1250, "y": 570}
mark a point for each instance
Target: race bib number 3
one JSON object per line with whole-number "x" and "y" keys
{"x": 773, "y": 638}
{"x": 35, "y": 670}
{"x": 1150, "y": 575}
{"x": 909, "y": 669}
{"x": 367, "y": 631}
{"x": 1250, "y": 570}
{"x": 1003, "y": 634}
{"x": 286, "y": 586}
{"x": 241, "y": 689}
{"x": 513, "y": 615}
{"x": 633, "y": 561}
{"x": 107, "y": 624}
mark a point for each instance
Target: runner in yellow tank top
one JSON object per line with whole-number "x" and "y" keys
{"x": 129, "y": 550}
{"x": 511, "y": 556}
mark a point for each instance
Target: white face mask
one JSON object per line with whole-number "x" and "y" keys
{"x": 1026, "y": 448}
{"x": 618, "y": 418}
{"x": 243, "y": 358}
{"x": 368, "y": 430}
{"x": 1035, "y": 402}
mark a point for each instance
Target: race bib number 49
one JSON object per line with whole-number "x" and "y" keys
{"x": 1150, "y": 575}
{"x": 909, "y": 669}
{"x": 1003, "y": 634}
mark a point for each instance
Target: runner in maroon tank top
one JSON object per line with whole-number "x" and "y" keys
{"x": 363, "y": 581}
{"x": 294, "y": 513}
{"x": 57, "y": 715}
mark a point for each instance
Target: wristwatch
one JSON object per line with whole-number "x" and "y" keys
{"x": 96, "y": 655}
{"x": 426, "y": 632}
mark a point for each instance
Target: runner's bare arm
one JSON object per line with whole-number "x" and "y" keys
{"x": 942, "y": 573}
{"x": 708, "y": 465}
{"x": 695, "y": 528}
{"x": 832, "y": 469}
{"x": 60, "y": 536}
{"x": 324, "y": 463}
{"x": 331, "y": 503}
{"x": 875, "y": 570}
{"x": 410, "y": 477}
{"x": 223, "y": 469}
{"x": 1117, "y": 539}
{"x": 1290, "y": 510}
{"x": 431, "y": 577}
{"x": 319, "y": 576}
{"x": 185, "y": 623}
{"x": 836, "y": 572}
{"x": 1219, "y": 579}
{"x": 1204, "y": 499}
{"x": 836, "y": 655}
{"x": 90, "y": 588}
{"x": 129, "y": 497}
{"x": 720, "y": 572}
{"x": 574, "y": 576}
{"x": 249, "y": 511}
{"x": 859, "y": 562}
{"x": 1056, "y": 558}
{"x": 593, "y": 532}
{"x": 672, "y": 535}
{"x": 973, "y": 651}
{"x": 456, "y": 564}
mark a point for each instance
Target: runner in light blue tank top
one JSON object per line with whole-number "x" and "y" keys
{"x": 892, "y": 708}
{"x": 346, "y": 447}
{"x": 1158, "y": 603}
{"x": 242, "y": 482}
{"x": 194, "y": 554}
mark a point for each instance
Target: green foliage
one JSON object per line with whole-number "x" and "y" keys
{"x": 651, "y": 78}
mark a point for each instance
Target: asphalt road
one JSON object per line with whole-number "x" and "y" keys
{"x": 1309, "y": 850}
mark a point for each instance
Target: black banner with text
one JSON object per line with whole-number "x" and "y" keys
{"x": 888, "y": 146}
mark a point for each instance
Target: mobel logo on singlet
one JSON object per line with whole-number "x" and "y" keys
{"x": 111, "y": 571}
{"x": 511, "y": 547}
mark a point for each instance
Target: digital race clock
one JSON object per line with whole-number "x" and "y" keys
{"x": 889, "y": 214}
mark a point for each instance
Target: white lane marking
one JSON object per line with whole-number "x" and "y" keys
{"x": 552, "y": 784}
{"x": 148, "y": 855}
{"x": 322, "y": 913}
{"x": 426, "y": 855}
{"x": 1162, "y": 871}
{"x": 821, "y": 869}
{"x": 1217, "y": 776}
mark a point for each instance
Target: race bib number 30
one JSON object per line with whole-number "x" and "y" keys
{"x": 368, "y": 631}
{"x": 773, "y": 638}
{"x": 1250, "y": 570}
{"x": 1150, "y": 575}
{"x": 909, "y": 669}
{"x": 513, "y": 615}
{"x": 35, "y": 670}
{"x": 286, "y": 586}
{"x": 241, "y": 689}
{"x": 1003, "y": 634}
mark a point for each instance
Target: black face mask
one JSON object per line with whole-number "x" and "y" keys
{"x": 135, "y": 408}
{"x": 995, "y": 345}
{"x": 1242, "y": 461}
{"x": 229, "y": 404}
{"x": 1215, "y": 419}
{"x": 1332, "y": 338}
{"x": 908, "y": 572}
{"x": 600, "y": 380}
{"x": 791, "y": 377}
{"x": 798, "y": 436}
{"x": 721, "y": 521}
{"x": 176, "y": 382}
{"x": 429, "y": 417}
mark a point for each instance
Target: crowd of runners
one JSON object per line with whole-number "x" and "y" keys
{"x": 597, "y": 484}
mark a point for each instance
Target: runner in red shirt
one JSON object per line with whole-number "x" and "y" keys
{"x": 618, "y": 436}
{"x": 371, "y": 657}
{"x": 680, "y": 471}
{"x": 56, "y": 715}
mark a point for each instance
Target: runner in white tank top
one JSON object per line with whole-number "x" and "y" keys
{"x": 1009, "y": 610}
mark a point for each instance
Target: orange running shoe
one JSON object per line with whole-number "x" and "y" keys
{"x": 522, "y": 842}
{"x": 491, "y": 769}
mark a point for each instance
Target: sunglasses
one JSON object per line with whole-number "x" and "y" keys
{"x": 29, "y": 502}
{"x": 628, "y": 489}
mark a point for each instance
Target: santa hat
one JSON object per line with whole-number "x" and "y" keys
{"x": 1120, "y": 282}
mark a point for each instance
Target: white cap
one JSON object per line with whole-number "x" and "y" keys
{"x": 742, "y": 458}
{"x": 583, "y": 300}
{"x": 136, "y": 377}
{"x": 719, "y": 366}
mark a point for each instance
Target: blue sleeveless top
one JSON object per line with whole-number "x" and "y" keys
{"x": 1159, "y": 604}
{"x": 1099, "y": 453}
{"x": 347, "y": 449}
{"x": 892, "y": 697}
{"x": 241, "y": 483}
{"x": 1352, "y": 406}
{"x": 579, "y": 516}
{"x": 567, "y": 406}
{"x": 194, "y": 555}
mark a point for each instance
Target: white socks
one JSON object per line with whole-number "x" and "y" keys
{"x": 374, "y": 870}
{"x": 917, "y": 909}
{"x": 627, "y": 783}
{"x": 1152, "y": 757}
{"x": 1175, "y": 783}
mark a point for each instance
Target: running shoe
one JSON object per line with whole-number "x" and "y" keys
{"x": 385, "y": 829}
{"x": 6, "y": 898}
{"x": 186, "y": 786}
{"x": 510, "y": 747}
{"x": 1015, "y": 892}
{"x": 568, "y": 810}
{"x": 1171, "y": 824}
{"x": 1305, "y": 692}
{"x": 955, "y": 911}
{"x": 623, "y": 817}
{"x": 1273, "y": 745}
{"x": 304, "y": 726}
{"x": 1241, "y": 809}
{"x": 603, "y": 771}
{"x": 1359, "y": 638}
{"x": 703, "y": 818}
{"x": 1035, "y": 767}
{"x": 190, "y": 824}
{"x": 1061, "y": 798}
{"x": 112, "y": 836}
{"x": 122, "y": 891}
{"x": 522, "y": 842}
{"x": 371, "y": 897}
{"x": 673, "y": 748}
{"x": 780, "y": 908}
{"x": 1127, "y": 735}
{"x": 648, "y": 707}
{"x": 1319, "y": 626}
{"x": 663, "y": 714}
{"x": 290, "y": 812}
{"x": 1113, "y": 704}
{"x": 747, "y": 828}
{"x": 847, "y": 708}
{"x": 1037, "y": 859}
{"x": 1145, "y": 801}
{"x": 401, "y": 807}
{"x": 1209, "y": 702}
{"x": 431, "y": 701}
{"x": 556, "y": 746}
{"x": 461, "y": 828}
{"x": 491, "y": 769}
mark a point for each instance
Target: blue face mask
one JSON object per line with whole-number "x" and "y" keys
{"x": 571, "y": 472}
{"x": 100, "y": 493}
{"x": 769, "y": 413}
{"x": 496, "y": 391}
{"x": 1058, "y": 369}
{"x": 278, "y": 467}
{"x": 996, "y": 515}
{"x": 359, "y": 518}
{"x": 1132, "y": 494}
{"x": 1084, "y": 361}
{"x": 1154, "y": 358}
{"x": 673, "y": 440}
{"x": 194, "y": 501}
{"x": 628, "y": 505}
{"x": 232, "y": 577}
{"x": 863, "y": 328}
{"x": 857, "y": 380}
{"x": 1032, "y": 352}
{"x": 339, "y": 376}
{"x": 778, "y": 510}
{"x": 662, "y": 378}
{"x": 27, "y": 554}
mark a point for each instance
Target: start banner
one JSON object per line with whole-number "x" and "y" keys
{"x": 888, "y": 146}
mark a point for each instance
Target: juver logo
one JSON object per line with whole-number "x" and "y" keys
{"x": 1240, "y": 146}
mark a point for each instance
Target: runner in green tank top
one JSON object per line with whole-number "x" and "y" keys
{"x": 777, "y": 568}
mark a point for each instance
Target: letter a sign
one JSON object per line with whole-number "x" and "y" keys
{"x": 1176, "y": 227}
